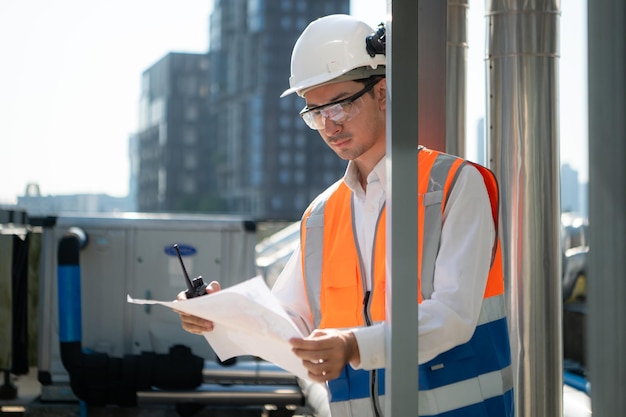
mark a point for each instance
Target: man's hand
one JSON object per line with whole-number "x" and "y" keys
{"x": 325, "y": 352}
{"x": 194, "y": 324}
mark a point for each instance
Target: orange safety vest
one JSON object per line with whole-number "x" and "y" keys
{"x": 332, "y": 269}
{"x": 341, "y": 299}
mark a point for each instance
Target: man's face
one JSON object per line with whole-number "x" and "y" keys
{"x": 353, "y": 128}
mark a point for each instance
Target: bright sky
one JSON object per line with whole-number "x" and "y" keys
{"x": 71, "y": 71}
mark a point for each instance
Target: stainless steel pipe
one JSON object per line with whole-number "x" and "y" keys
{"x": 522, "y": 126}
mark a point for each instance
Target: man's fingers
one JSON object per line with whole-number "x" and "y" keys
{"x": 194, "y": 324}
{"x": 213, "y": 286}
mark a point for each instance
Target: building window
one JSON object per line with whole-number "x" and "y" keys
{"x": 299, "y": 202}
{"x": 188, "y": 185}
{"x": 284, "y": 158}
{"x": 256, "y": 171}
{"x": 189, "y": 136}
{"x": 285, "y": 22}
{"x": 299, "y": 159}
{"x": 277, "y": 203}
{"x": 191, "y": 111}
{"x": 190, "y": 161}
{"x": 301, "y": 23}
{"x": 299, "y": 176}
{"x": 329, "y": 178}
{"x": 284, "y": 140}
{"x": 283, "y": 176}
{"x": 255, "y": 16}
{"x": 188, "y": 86}
{"x": 157, "y": 111}
{"x": 285, "y": 103}
{"x": 285, "y": 121}
{"x": 300, "y": 140}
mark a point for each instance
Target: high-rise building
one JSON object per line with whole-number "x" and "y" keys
{"x": 174, "y": 146}
{"x": 271, "y": 164}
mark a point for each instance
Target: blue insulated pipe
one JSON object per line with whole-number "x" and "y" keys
{"x": 70, "y": 307}
{"x": 69, "y": 296}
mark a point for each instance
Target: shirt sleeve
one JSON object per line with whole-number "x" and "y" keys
{"x": 290, "y": 291}
{"x": 449, "y": 317}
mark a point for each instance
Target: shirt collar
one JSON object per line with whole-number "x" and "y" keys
{"x": 379, "y": 173}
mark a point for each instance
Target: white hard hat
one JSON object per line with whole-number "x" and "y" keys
{"x": 332, "y": 49}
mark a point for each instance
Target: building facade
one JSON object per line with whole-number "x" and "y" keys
{"x": 215, "y": 136}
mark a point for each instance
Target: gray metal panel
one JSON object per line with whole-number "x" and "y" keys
{"x": 607, "y": 206}
{"x": 159, "y": 276}
{"x": 402, "y": 133}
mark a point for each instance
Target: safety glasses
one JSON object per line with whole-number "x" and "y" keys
{"x": 340, "y": 111}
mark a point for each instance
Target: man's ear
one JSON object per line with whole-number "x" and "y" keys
{"x": 381, "y": 93}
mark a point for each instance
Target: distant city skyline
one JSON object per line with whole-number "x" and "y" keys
{"x": 70, "y": 85}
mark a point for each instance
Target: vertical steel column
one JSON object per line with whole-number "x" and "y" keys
{"x": 431, "y": 73}
{"x": 456, "y": 69}
{"x": 607, "y": 207}
{"x": 524, "y": 154}
{"x": 402, "y": 136}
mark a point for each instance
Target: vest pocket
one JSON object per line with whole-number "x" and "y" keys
{"x": 432, "y": 197}
{"x": 449, "y": 367}
{"x": 342, "y": 294}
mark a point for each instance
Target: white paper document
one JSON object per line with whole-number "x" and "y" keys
{"x": 248, "y": 320}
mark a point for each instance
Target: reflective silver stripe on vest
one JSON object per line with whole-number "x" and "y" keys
{"x": 465, "y": 393}
{"x": 433, "y": 198}
{"x": 314, "y": 253}
{"x": 354, "y": 408}
{"x": 493, "y": 309}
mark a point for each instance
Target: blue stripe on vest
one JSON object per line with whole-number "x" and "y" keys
{"x": 354, "y": 384}
{"x": 485, "y": 352}
{"x": 479, "y": 356}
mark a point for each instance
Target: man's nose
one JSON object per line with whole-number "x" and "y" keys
{"x": 331, "y": 127}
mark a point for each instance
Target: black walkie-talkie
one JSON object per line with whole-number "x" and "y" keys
{"x": 195, "y": 287}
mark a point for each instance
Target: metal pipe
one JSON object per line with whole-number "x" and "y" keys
{"x": 456, "y": 68}
{"x": 231, "y": 395}
{"x": 247, "y": 372}
{"x": 523, "y": 140}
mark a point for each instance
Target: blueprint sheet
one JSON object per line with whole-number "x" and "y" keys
{"x": 248, "y": 320}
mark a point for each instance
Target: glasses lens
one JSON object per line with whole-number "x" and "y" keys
{"x": 309, "y": 120}
{"x": 338, "y": 113}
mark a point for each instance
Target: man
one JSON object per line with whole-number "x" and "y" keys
{"x": 334, "y": 284}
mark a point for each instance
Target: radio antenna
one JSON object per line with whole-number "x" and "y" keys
{"x": 180, "y": 258}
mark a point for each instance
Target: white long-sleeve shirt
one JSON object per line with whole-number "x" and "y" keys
{"x": 449, "y": 317}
